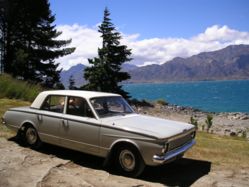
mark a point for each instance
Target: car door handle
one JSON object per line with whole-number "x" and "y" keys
{"x": 39, "y": 117}
{"x": 65, "y": 123}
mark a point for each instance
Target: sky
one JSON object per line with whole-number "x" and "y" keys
{"x": 156, "y": 30}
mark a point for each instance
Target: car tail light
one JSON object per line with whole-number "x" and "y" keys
{"x": 3, "y": 121}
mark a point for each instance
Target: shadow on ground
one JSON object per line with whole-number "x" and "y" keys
{"x": 183, "y": 172}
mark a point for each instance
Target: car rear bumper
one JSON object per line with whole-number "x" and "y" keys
{"x": 173, "y": 154}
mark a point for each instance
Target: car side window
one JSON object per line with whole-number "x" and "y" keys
{"x": 79, "y": 107}
{"x": 54, "y": 103}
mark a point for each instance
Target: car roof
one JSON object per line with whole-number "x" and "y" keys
{"x": 77, "y": 93}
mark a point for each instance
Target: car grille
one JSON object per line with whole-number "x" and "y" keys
{"x": 177, "y": 142}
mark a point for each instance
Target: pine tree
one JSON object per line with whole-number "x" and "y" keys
{"x": 105, "y": 73}
{"x": 30, "y": 45}
{"x": 1, "y": 35}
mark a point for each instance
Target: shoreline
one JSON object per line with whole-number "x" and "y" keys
{"x": 209, "y": 96}
{"x": 185, "y": 81}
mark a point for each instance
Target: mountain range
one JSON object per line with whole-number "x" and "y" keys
{"x": 229, "y": 63}
{"x": 77, "y": 73}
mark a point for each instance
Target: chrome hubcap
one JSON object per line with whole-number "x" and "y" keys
{"x": 31, "y": 136}
{"x": 127, "y": 160}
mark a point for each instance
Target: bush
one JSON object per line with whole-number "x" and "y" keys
{"x": 194, "y": 122}
{"x": 209, "y": 121}
{"x": 17, "y": 89}
{"x": 140, "y": 103}
{"x": 162, "y": 102}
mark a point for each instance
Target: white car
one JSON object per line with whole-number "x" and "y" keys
{"x": 101, "y": 124}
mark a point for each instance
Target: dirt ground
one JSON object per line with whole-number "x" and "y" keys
{"x": 55, "y": 166}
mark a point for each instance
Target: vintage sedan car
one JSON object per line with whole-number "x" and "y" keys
{"x": 101, "y": 124}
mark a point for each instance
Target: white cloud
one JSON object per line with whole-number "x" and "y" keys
{"x": 149, "y": 51}
{"x": 85, "y": 39}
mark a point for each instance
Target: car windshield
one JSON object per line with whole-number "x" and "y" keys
{"x": 110, "y": 106}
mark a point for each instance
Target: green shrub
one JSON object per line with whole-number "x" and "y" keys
{"x": 140, "y": 103}
{"x": 194, "y": 122}
{"x": 18, "y": 89}
{"x": 244, "y": 134}
{"x": 209, "y": 121}
{"x": 161, "y": 102}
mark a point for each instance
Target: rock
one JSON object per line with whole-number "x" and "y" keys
{"x": 244, "y": 117}
{"x": 233, "y": 134}
{"x": 224, "y": 123}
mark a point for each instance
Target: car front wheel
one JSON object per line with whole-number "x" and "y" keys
{"x": 129, "y": 161}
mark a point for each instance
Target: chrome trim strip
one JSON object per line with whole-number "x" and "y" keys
{"x": 172, "y": 138}
{"x": 171, "y": 154}
{"x": 62, "y": 116}
{"x": 128, "y": 137}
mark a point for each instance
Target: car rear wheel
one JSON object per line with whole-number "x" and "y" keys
{"x": 32, "y": 138}
{"x": 129, "y": 161}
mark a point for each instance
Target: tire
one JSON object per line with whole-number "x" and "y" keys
{"x": 32, "y": 138}
{"x": 129, "y": 161}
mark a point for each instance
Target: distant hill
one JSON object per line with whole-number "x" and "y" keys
{"x": 229, "y": 63}
{"x": 77, "y": 73}
{"x": 128, "y": 67}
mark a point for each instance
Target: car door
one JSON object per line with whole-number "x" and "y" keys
{"x": 80, "y": 129}
{"x": 50, "y": 119}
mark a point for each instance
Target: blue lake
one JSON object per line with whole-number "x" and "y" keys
{"x": 213, "y": 96}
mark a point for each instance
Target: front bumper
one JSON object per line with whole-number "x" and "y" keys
{"x": 174, "y": 153}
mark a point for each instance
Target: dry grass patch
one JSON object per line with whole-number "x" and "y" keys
{"x": 5, "y": 104}
{"x": 221, "y": 150}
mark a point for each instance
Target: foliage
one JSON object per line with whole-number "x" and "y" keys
{"x": 28, "y": 41}
{"x": 209, "y": 121}
{"x": 17, "y": 89}
{"x": 5, "y": 105}
{"x": 193, "y": 121}
{"x": 105, "y": 73}
{"x": 162, "y": 102}
{"x": 140, "y": 103}
{"x": 244, "y": 134}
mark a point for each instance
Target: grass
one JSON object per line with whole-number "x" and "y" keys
{"x": 219, "y": 150}
{"x": 17, "y": 89}
{"x": 5, "y": 104}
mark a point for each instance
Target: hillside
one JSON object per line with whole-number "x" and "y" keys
{"x": 77, "y": 73}
{"x": 230, "y": 63}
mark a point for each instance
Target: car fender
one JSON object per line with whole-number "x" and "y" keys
{"x": 121, "y": 140}
{"x": 22, "y": 126}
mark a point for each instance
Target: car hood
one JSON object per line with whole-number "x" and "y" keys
{"x": 153, "y": 126}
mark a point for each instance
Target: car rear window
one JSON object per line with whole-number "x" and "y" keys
{"x": 54, "y": 103}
